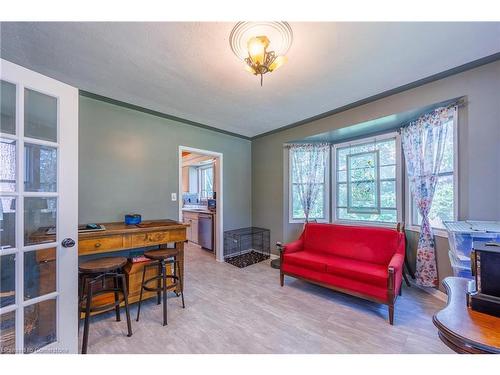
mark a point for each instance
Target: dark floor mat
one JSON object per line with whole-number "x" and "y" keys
{"x": 247, "y": 259}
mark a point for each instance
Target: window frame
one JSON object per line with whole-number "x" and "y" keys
{"x": 399, "y": 180}
{"x": 326, "y": 192}
{"x": 201, "y": 171}
{"x": 410, "y": 214}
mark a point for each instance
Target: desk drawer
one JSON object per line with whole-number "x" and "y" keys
{"x": 97, "y": 245}
{"x": 156, "y": 238}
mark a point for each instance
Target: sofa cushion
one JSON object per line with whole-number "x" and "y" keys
{"x": 368, "y": 244}
{"x": 336, "y": 281}
{"x": 374, "y": 274}
{"x": 306, "y": 259}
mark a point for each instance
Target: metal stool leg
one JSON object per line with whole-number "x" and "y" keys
{"x": 180, "y": 282}
{"x": 158, "y": 294}
{"x": 117, "y": 299}
{"x": 140, "y": 297}
{"x": 125, "y": 299}
{"x": 164, "y": 290}
{"x": 87, "y": 318}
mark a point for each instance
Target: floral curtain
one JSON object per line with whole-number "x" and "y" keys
{"x": 308, "y": 163}
{"x": 423, "y": 147}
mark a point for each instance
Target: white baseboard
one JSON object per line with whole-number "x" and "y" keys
{"x": 432, "y": 291}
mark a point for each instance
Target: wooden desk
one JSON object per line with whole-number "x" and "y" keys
{"x": 461, "y": 328}
{"x": 118, "y": 237}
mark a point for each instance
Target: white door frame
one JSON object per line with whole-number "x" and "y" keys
{"x": 66, "y": 293}
{"x": 219, "y": 219}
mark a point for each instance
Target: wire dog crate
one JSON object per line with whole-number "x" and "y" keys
{"x": 246, "y": 246}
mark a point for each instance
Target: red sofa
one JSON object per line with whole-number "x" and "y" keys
{"x": 366, "y": 262}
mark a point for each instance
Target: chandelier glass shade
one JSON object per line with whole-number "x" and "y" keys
{"x": 250, "y": 42}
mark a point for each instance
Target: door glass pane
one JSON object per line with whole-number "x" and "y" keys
{"x": 8, "y": 165}
{"x": 8, "y": 333}
{"x": 39, "y": 272}
{"x": 7, "y": 222}
{"x": 40, "y": 116}
{"x": 39, "y": 325}
{"x": 7, "y": 280}
{"x": 7, "y": 107}
{"x": 40, "y": 172}
{"x": 39, "y": 220}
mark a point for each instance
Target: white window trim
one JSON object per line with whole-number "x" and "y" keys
{"x": 200, "y": 182}
{"x": 399, "y": 188}
{"x": 408, "y": 204}
{"x": 326, "y": 199}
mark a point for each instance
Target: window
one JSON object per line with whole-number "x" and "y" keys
{"x": 206, "y": 181}
{"x": 367, "y": 180}
{"x": 443, "y": 203}
{"x": 304, "y": 175}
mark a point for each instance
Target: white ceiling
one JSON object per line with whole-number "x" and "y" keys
{"x": 188, "y": 70}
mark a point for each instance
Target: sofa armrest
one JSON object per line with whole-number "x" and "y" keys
{"x": 292, "y": 247}
{"x": 397, "y": 262}
{"x": 395, "y": 269}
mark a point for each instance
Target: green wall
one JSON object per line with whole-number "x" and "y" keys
{"x": 479, "y": 151}
{"x": 128, "y": 162}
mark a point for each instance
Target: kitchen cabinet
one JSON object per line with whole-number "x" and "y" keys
{"x": 201, "y": 230}
{"x": 191, "y": 218}
{"x": 185, "y": 179}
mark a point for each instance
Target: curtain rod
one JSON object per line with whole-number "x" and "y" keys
{"x": 307, "y": 144}
{"x": 459, "y": 103}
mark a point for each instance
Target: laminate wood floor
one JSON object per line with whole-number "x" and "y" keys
{"x": 233, "y": 310}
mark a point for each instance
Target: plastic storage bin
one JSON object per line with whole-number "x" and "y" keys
{"x": 460, "y": 268}
{"x": 461, "y": 237}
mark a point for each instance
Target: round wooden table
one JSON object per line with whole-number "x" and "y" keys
{"x": 461, "y": 328}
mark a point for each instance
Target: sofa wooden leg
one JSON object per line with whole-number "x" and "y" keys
{"x": 282, "y": 278}
{"x": 391, "y": 315}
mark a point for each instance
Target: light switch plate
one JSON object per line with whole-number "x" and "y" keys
{"x": 174, "y": 197}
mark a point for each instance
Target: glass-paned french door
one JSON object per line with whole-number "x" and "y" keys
{"x": 38, "y": 192}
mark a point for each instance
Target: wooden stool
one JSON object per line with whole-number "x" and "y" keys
{"x": 99, "y": 272}
{"x": 162, "y": 258}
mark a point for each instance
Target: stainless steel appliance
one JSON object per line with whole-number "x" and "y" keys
{"x": 212, "y": 204}
{"x": 206, "y": 231}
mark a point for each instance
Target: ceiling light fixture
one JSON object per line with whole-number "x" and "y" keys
{"x": 261, "y": 45}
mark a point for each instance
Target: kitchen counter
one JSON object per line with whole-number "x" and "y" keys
{"x": 199, "y": 211}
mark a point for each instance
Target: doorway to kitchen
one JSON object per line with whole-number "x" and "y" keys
{"x": 201, "y": 198}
